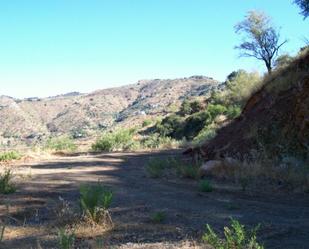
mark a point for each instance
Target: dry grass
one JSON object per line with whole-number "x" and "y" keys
{"x": 265, "y": 174}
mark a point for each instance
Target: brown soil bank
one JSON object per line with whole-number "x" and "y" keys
{"x": 275, "y": 120}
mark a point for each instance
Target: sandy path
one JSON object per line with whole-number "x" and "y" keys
{"x": 284, "y": 218}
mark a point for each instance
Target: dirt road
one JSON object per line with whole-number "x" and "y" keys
{"x": 284, "y": 218}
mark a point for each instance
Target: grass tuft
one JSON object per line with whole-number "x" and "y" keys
{"x": 6, "y": 185}
{"x": 158, "y": 217}
{"x": 9, "y": 156}
{"x": 95, "y": 201}
{"x": 205, "y": 186}
{"x": 235, "y": 237}
{"x": 66, "y": 240}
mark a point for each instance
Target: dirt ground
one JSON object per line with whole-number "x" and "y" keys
{"x": 29, "y": 213}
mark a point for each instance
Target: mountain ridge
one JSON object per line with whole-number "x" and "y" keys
{"x": 73, "y": 112}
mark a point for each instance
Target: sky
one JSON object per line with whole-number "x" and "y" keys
{"x": 57, "y": 46}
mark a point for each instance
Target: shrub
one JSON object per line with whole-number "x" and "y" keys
{"x": 236, "y": 237}
{"x": 188, "y": 108}
{"x": 60, "y": 144}
{"x": 146, "y": 123}
{"x": 6, "y": 185}
{"x": 186, "y": 170}
{"x": 241, "y": 86}
{"x": 170, "y": 126}
{"x": 2, "y": 228}
{"x": 95, "y": 201}
{"x": 185, "y": 108}
{"x": 215, "y": 110}
{"x": 155, "y": 141}
{"x": 233, "y": 111}
{"x": 207, "y": 133}
{"x": 65, "y": 240}
{"x": 121, "y": 139}
{"x": 205, "y": 186}
{"x": 195, "y": 123}
{"x": 158, "y": 217}
{"x": 155, "y": 167}
{"x": 8, "y": 156}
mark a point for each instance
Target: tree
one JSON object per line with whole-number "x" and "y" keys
{"x": 304, "y": 5}
{"x": 261, "y": 39}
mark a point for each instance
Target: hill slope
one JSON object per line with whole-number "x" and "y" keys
{"x": 274, "y": 121}
{"x": 33, "y": 117}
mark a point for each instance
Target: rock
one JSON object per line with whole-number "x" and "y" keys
{"x": 209, "y": 166}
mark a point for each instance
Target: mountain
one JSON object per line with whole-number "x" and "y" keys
{"x": 75, "y": 112}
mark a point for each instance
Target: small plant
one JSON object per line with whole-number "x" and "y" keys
{"x": 60, "y": 144}
{"x": 205, "y": 186}
{"x": 6, "y": 185}
{"x": 186, "y": 170}
{"x": 2, "y": 228}
{"x": 146, "y": 122}
{"x": 66, "y": 240}
{"x": 121, "y": 139}
{"x": 236, "y": 237}
{"x": 155, "y": 167}
{"x": 8, "y": 156}
{"x": 95, "y": 201}
{"x": 158, "y": 217}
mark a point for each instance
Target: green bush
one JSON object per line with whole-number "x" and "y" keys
{"x": 155, "y": 167}
{"x": 207, "y": 133}
{"x": 8, "y": 156}
{"x": 170, "y": 126}
{"x": 60, "y": 144}
{"x": 155, "y": 141}
{"x": 205, "y": 186}
{"x": 187, "y": 170}
{"x": 236, "y": 237}
{"x": 215, "y": 110}
{"x": 2, "y": 228}
{"x": 188, "y": 108}
{"x": 6, "y": 185}
{"x": 195, "y": 123}
{"x": 241, "y": 86}
{"x": 65, "y": 240}
{"x": 158, "y": 217}
{"x": 95, "y": 200}
{"x": 121, "y": 139}
{"x": 233, "y": 111}
{"x": 146, "y": 122}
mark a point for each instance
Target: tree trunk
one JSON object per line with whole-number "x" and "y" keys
{"x": 269, "y": 66}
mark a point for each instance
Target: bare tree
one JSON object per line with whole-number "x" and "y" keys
{"x": 304, "y": 5}
{"x": 261, "y": 39}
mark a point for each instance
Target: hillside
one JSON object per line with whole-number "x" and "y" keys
{"x": 274, "y": 122}
{"x": 33, "y": 118}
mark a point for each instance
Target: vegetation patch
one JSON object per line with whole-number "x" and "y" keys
{"x": 155, "y": 167}
{"x": 235, "y": 237}
{"x": 9, "y": 156}
{"x": 122, "y": 139}
{"x": 95, "y": 201}
{"x": 158, "y": 217}
{"x": 65, "y": 239}
{"x": 60, "y": 144}
{"x": 205, "y": 186}
{"x": 188, "y": 170}
{"x": 6, "y": 185}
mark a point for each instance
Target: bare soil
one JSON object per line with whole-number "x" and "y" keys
{"x": 30, "y": 217}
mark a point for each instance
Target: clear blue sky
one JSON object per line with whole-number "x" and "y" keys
{"x": 56, "y": 46}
